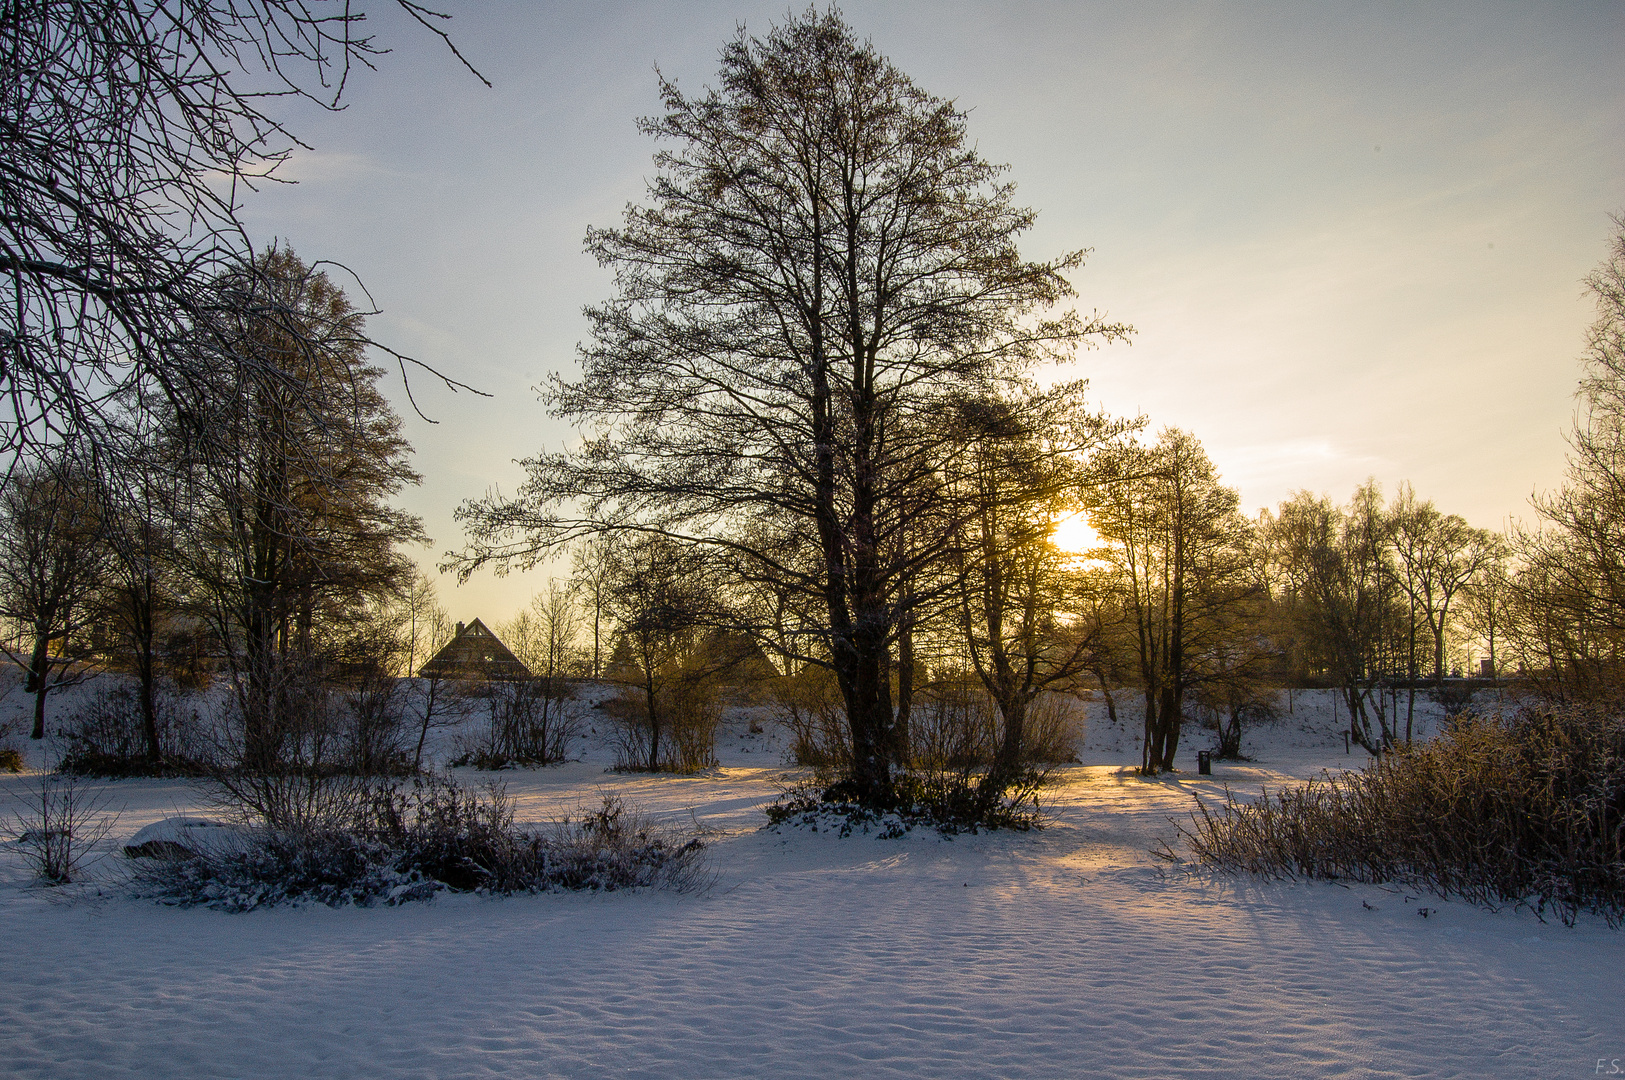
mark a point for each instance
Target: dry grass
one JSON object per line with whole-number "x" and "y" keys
{"x": 1527, "y": 809}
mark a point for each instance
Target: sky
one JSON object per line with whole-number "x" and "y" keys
{"x": 1350, "y": 237}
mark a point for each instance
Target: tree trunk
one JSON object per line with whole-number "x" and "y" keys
{"x": 39, "y": 671}
{"x": 1151, "y": 742}
{"x": 1168, "y": 720}
{"x": 901, "y": 750}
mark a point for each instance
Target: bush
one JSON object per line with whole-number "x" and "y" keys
{"x": 810, "y": 705}
{"x": 372, "y": 712}
{"x": 531, "y": 724}
{"x": 55, "y": 828}
{"x": 11, "y": 758}
{"x": 950, "y": 802}
{"x": 106, "y": 735}
{"x": 1054, "y": 730}
{"x": 955, "y": 725}
{"x": 1527, "y": 810}
{"x": 409, "y": 844}
{"x": 687, "y": 736}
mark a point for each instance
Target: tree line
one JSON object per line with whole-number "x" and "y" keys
{"x": 815, "y": 380}
{"x": 816, "y": 439}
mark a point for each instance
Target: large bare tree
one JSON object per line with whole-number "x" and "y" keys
{"x": 823, "y": 265}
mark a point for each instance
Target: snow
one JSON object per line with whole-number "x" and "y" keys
{"x": 1066, "y": 952}
{"x": 181, "y": 836}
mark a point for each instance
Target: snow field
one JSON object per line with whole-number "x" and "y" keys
{"x": 1065, "y": 953}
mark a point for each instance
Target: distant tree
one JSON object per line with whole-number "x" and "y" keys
{"x": 423, "y": 628}
{"x": 289, "y": 518}
{"x": 1181, "y": 553}
{"x": 1336, "y": 566}
{"x": 1439, "y": 555}
{"x": 662, "y": 601}
{"x": 823, "y": 266}
{"x": 591, "y": 567}
{"x": 544, "y": 635}
{"x": 140, "y": 488}
{"x": 1489, "y": 596}
{"x": 1572, "y": 586}
{"x": 52, "y": 561}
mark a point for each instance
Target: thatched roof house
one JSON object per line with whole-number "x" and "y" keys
{"x": 475, "y": 653}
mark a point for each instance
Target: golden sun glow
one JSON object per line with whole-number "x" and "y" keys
{"x": 1072, "y": 533}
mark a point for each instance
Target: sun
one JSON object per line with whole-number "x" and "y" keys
{"x": 1072, "y": 533}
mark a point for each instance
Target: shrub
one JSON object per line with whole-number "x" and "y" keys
{"x": 373, "y": 716}
{"x": 530, "y": 724}
{"x": 11, "y": 758}
{"x": 951, "y": 802}
{"x": 1054, "y": 730}
{"x": 811, "y": 707}
{"x": 55, "y": 827}
{"x": 409, "y": 844}
{"x": 1528, "y": 809}
{"x": 106, "y": 735}
{"x": 953, "y": 725}
{"x": 956, "y": 725}
{"x": 685, "y": 740}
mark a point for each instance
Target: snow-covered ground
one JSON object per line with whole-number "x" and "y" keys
{"x": 1069, "y": 952}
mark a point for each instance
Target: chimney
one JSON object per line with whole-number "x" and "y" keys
{"x": 459, "y": 629}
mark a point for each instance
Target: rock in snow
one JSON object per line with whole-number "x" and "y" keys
{"x": 182, "y": 838}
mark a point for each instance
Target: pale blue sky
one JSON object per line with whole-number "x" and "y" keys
{"x": 1351, "y": 237}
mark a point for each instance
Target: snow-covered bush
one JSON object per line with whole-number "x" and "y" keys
{"x": 949, "y": 801}
{"x": 1526, "y": 809}
{"x": 407, "y": 844}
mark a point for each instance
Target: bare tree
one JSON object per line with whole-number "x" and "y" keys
{"x": 52, "y": 561}
{"x": 1182, "y": 555}
{"x": 1488, "y": 598}
{"x": 823, "y": 265}
{"x": 1440, "y": 555}
{"x": 1019, "y": 594}
{"x": 139, "y": 490}
{"x": 591, "y": 567}
{"x": 662, "y": 601}
{"x": 130, "y": 131}
{"x": 1571, "y": 589}
{"x": 1336, "y": 564}
{"x": 290, "y": 481}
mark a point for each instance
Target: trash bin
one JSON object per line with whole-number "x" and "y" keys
{"x": 1204, "y": 762}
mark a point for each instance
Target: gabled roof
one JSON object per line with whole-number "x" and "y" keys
{"x": 475, "y": 653}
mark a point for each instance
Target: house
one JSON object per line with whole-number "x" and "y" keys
{"x": 475, "y": 653}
